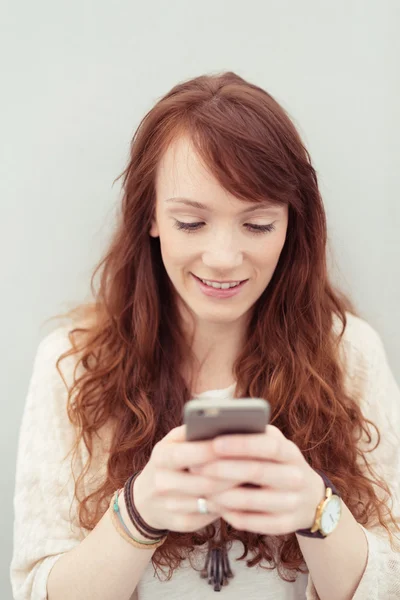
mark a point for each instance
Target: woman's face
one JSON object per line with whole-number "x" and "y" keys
{"x": 206, "y": 233}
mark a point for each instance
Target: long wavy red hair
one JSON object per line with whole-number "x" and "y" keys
{"x": 131, "y": 346}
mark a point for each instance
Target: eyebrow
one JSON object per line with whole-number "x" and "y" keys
{"x": 195, "y": 204}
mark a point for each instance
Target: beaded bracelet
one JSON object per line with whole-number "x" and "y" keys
{"x": 117, "y": 521}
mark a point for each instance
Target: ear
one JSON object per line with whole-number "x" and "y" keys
{"x": 154, "y": 229}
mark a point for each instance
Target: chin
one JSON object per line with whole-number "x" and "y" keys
{"x": 219, "y": 315}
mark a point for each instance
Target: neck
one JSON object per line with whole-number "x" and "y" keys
{"x": 215, "y": 347}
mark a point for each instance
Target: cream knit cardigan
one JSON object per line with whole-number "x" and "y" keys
{"x": 44, "y": 527}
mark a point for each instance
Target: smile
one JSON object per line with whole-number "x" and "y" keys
{"x": 219, "y": 289}
{"x": 220, "y": 285}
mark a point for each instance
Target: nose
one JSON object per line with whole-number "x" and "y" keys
{"x": 223, "y": 253}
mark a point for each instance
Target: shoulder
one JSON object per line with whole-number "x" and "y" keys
{"x": 54, "y": 343}
{"x": 49, "y": 383}
{"x": 51, "y": 348}
{"x": 369, "y": 380}
{"x": 367, "y": 373}
{"x": 60, "y": 377}
{"x": 68, "y": 335}
{"x": 360, "y": 347}
{"x": 51, "y": 380}
{"x": 368, "y": 377}
{"x": 358, "y": 335}
{"x": 49, "y": 392}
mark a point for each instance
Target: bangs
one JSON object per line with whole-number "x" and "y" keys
{"x": 242, "y": 151}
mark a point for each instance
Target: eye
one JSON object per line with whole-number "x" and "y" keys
{"x": 260, "y": 228}
{"x": 189, "y": 227}
{"x": 253, "y": 228}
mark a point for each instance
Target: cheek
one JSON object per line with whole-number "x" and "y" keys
{"x": 175, "y": 251}
{"x": 267, "y": 258}
{"x": 269, "y": 254}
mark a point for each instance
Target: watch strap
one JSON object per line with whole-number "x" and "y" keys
{"x": 328, "y": 483}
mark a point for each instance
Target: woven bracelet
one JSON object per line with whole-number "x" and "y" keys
{"x": 122, "y": 529}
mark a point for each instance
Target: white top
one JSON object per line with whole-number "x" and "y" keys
{"x": 44, "y": 528}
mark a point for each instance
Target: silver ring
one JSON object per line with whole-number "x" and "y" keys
{"x": 202, "y": 506}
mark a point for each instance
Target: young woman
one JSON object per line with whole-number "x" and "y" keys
{"x": 215, "y": 284}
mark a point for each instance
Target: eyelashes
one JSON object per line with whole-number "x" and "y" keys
{"x": 253, "y": 228}
{"x": 260, "y": 228}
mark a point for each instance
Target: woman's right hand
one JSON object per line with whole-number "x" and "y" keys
{"x": 166, "y": 495}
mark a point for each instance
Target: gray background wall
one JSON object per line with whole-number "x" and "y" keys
{"x": 77, "y": 77}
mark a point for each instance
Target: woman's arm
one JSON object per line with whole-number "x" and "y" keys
{"x": 50, "y": 549}
{"x": 357, "y": 562}
{"x": 344, "y": 551}
{"x": 103, "y": 567}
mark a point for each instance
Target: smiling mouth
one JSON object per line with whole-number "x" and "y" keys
{"x": 221, "y": 284}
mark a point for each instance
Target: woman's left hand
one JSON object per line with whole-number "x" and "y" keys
{"x": 289, "y": 493}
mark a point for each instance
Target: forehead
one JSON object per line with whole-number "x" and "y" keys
{"x": 181, "y": 170}
{"x": 181, "y": 173}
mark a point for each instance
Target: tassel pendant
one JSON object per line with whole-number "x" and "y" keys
{"x": 216, "y": 568}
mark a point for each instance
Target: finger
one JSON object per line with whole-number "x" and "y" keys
{"x": 260, "y": 445}
{"x": 177, "y": 434}
{"x": 167, "y": 482}
{"x": 182, "y": 455}
{"x": 256, "y": 500}
{"x": 265, "y": 473}
{"x": 260, "y": 523}
{"x": 182, "y": 505}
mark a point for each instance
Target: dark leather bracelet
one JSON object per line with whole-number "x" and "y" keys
{"x": 132, "y": 518}
{"x": 328, "y": 483}
{"x": 148, "y": 532}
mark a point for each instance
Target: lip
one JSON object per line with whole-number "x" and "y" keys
{"x": 218, "y": 281}
{"x": 218, "y": 293}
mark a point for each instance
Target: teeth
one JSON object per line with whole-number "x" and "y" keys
{"x": 220, "y": 286}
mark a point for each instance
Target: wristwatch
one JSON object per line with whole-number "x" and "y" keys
{"x": 328, "y": 512}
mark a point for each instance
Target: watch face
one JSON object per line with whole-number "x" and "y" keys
{"x": 331, "y": 515}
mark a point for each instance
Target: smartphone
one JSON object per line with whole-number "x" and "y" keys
{"x": 208, "y": 417}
